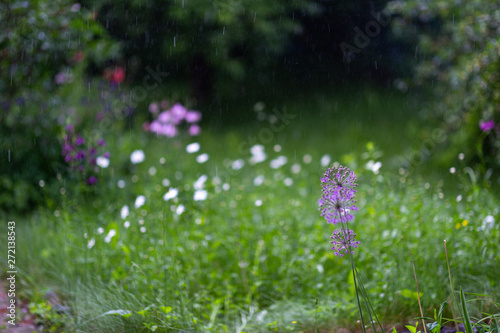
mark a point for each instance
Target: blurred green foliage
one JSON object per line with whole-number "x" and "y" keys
{"x": 43, "y": 45}
{"x": 458, "y": 58}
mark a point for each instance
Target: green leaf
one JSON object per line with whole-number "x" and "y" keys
{"x": 412, "y": 329}
{"x": 123, "y": 313}
{"x": 166, "y": 309}
{"x": 394, "y": 330}
{"x": 494, "y": 326}
{"x": 467, "y": 323}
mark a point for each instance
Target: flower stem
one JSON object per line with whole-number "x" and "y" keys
{"x": 451, "y": 285}
{"x": 418, "y": 297}
{"x": 356, "y": 289}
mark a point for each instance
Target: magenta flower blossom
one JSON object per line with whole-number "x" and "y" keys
{"x": 487, "y": 126}
{"x": 337, "y": 204}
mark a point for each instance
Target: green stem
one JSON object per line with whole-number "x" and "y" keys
{"x": 356, "y": 289}
{"x": 451, "y": 284}
{"x": 369, "y": 304}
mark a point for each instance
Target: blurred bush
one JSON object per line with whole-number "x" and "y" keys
{"x": 202, "y": 41}
{"x": 458, "y": 59}
{"x": 44, "y": 45}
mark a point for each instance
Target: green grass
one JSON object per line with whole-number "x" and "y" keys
{"x": 228, "y": 264}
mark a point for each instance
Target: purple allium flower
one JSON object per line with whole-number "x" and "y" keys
{"x": 92, "y": 151}
{"x": 106, "y": 154}
{"x": 336, "y": 205}
{"x": 68, "y": 158}
{"x": 92, "y": 180}
{"x": 101, "y": 142}
{"x": 340, "y": 177}
{"x": 487, "y": 126}
{"x": 343, "y": 241}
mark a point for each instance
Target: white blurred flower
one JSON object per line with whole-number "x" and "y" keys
{"x": 180, "y": 209}
{"x": 121, "y": 183}
{"x": 152, "y": 171}
{"x": 288, "y": 181}
{"x": 124, "y": 212}
{"x": 110, "y": 235}
{"x": 200, "y": 182}
{"x": 226, "y": 186}
{"x": 126, "y": 224}
{"x": 258, "y": 180}
{"x": 258, "y": 154}
{"x": 200, "y": 195}
{"x": 488, "y": 223}
{"x": 238, "y": 164}
{"x": 307, "y": 158}
{"x": 165, "y": 182}
{"x": 140, "y": 201}
{"x": 202, "y": 158}
{"x": 373, "y": 166}
{"x": 172, "y": 193}
{"x": 143, "y": 229}
{"x": 91, "y": 243}
{"x": 453, "y": 170}
{"x": 325, "y": 160}
{"x": 100, "y": 230}
{"x": 258, "y": 202}
{"x": 102, "y": 161}
{"x": 278, "y": 162}
{"x": 193, "y": 147}
{"x": 296, "y": 168}
{"x": 137, "y": 156}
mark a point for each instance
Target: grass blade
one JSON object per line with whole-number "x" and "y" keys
{"x": 466, "y": 319}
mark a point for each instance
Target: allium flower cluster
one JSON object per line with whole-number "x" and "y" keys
{"x": 82, "y": 156}
{"x": 337, "y": 204}
{"x": 168, "y": 121}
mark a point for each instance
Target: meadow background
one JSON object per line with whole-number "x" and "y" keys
{"x": 162, "y": 161}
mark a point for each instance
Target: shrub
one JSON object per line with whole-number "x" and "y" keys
{"x": 45, "y": 45}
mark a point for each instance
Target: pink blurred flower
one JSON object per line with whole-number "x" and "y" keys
{"x": 155, "y": 126}
{"x": 60, "y": 78}
{"x": 178, "y": 113}
{"x": 487, "y": 126}
{"x": 153, "y": 108}
{"x": 168, "y": 130}
{"x": 165, "y": 117}
{"x": 146, "y": 126}
{"x": 164, "y": 104}
{"x": 193, "y": 116}
{"x": 194, "y": 130}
